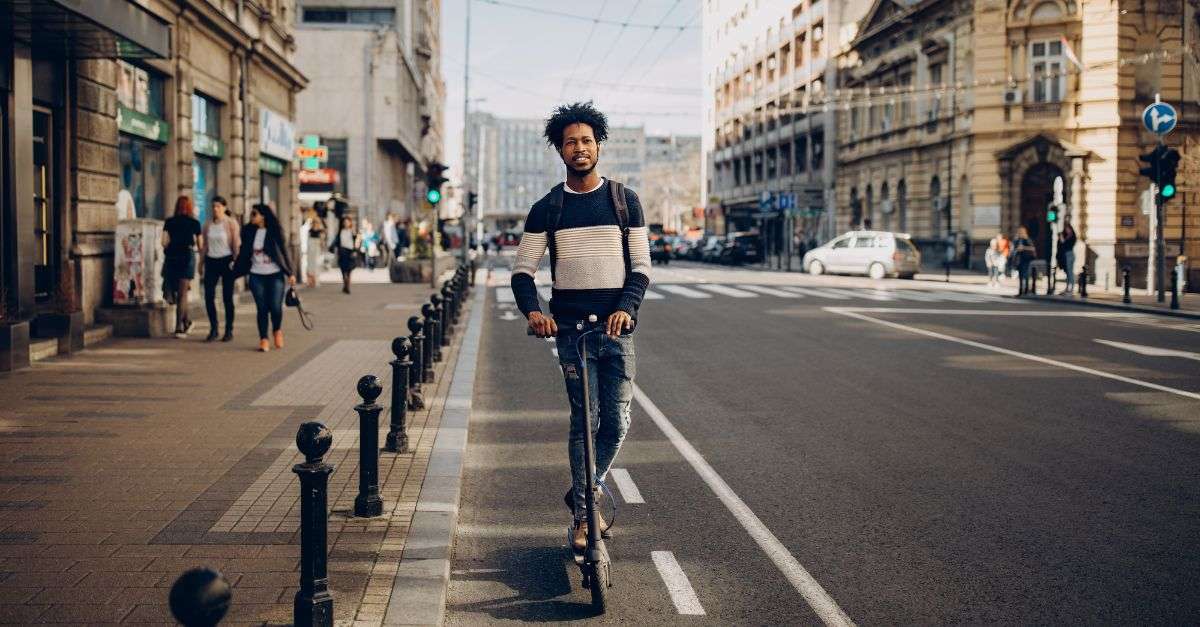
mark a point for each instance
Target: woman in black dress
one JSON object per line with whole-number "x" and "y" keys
{"x": 181, "y": 240}
{"x": 346, "y": 246}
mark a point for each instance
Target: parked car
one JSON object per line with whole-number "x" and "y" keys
{"x": 877, "y": 254}
{"x": 711, "y": 251}
{"x": 660, "y": 251}
{"x": 742, "y": 247}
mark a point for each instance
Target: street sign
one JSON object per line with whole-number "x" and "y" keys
{"x": 1160, "y": 118}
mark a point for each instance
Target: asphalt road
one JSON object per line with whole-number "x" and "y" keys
{"x": 924, "y": 456}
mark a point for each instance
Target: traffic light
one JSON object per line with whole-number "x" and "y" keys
{"x": 1161, "y": 164}
{"x": 472, "y": 200}
{"x": 1052, "y": 214}
{"x": 434, "y": 181}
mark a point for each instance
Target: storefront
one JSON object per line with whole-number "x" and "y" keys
{"x": 277, "y": 146}
{"x": 144, "y": 136}
{"x": 208, "y": 151}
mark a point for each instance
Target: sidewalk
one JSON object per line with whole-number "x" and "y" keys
{"x": 138, "y": 459}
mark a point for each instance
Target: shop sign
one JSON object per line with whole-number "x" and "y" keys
{"x": 207, "y": 145}
{"x": 142, "y": 125}
{"x": 320, "y": 176}
{"x": 276, "y": 135}
{"x": 271, "y": 166}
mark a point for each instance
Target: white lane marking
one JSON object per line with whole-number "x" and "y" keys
{"x": 555, "y": 352}
{"x": 504, "y": 295}
{"x": 509, "y": 315}
{"x": 867, "y": 294}
{"x": 652, "y": 296}
{"x": 1152, "y": 351}
{"x": 683, "y": 291}
{"x": 983, "y": 312}
{"x": 725, "y": 290}
{"x": 629, "y": 491}
{"x": 682, "y": 594}
{"x": 809, "y": 291}
{"x": 769, "y": 291}
{"x": 910, "y": 295}
{"x": 819, "y": 600}
{"x": 1005, "y": 351}
{"x": 544, "y": 292}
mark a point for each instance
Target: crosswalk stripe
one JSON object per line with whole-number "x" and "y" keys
{"x": 683, "y": 291}
{"x": 769, "y": 291}
{"x": 504, "y": 295}
{"x": 861, "y": 294}
{"x": 651, "y": 295}
{"x": 809, "y": 291}
{"x": 725, "y": 290}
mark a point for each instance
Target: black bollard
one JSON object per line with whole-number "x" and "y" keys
{"x": 1051, "y": 279}
{"x": 1174, "y": 288}
{"x": 439, "y": 316}
{"x": 368, "y": 503}
{"x": 1032, "y": 289}
{"x": 449, "y": 297}
{"x": 1083, "y": 279}
{"x": 429, "y": 350}
{"x": 416, "y": 372}
{"x": 313, "y": 605}
{"x": 472, "y": 272}
{"x": 200, "y": 598}
{"x": 1125, "y": 282}
{"x": 397, "y": 437}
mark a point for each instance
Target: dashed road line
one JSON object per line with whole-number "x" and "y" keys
{"x": 821, "y": 603}
{"x": 680, "y": 589}
{"x": 769, "y": 291}
{"x": 681, "y": 290}
{"x": 652, "y": 295}
{"x": 812, "y": 291}
{"x": 725, "y": 290}
{"x": 629, "y": 491}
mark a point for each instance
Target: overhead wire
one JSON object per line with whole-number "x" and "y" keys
{"x": 542, "y": 11}
{"x": 636, "y": 55}
{"x": 650, "y": 67}
{"x": 618, "y": 37}
{"x": 582, "y": 51}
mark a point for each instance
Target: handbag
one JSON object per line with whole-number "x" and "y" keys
{"x": 292, "y": 299}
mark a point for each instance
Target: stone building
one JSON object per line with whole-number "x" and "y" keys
{"x": 159, "y": 98}
{"x": 376, "y": 99}
{"x": 768, "y": 74}
{"x": 670, "y": 189}
{"x": 966, "y": 118}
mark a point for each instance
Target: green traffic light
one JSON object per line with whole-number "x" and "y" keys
{"x": 1051, "y": 216}
{"x": 433, "y": 196}
{"x": 1168, "y": 191}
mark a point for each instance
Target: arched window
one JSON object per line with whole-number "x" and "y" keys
{"x": 885, "y": 206}
{"x": 935, "y": 205}
{"x": 869, "y": 214}
{"x": 855, "y": 208}
{"x": 902, "y": 205}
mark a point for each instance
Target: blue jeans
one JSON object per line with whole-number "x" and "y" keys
{"x": 611, "y": 367}
{"x": 1069, "y": 265}
{"x": 268, "y": 299}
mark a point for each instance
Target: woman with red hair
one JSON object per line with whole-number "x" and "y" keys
{"x": 181, "y": 240}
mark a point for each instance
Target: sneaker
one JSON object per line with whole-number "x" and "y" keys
{"x": 263, "y": 345}
{"x": 187, "y": 326}
{"x": 279, "y": 338}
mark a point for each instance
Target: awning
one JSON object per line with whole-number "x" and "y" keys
{"x": 87, "y": 29}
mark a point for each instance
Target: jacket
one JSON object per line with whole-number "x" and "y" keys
{"x": 275, "y": 249}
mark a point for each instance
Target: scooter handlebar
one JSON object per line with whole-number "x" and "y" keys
{"x": 591, "y": 324}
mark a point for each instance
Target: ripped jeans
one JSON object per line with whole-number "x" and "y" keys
{"x": 611, "y": 368}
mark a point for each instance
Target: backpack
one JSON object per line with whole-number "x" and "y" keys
{"x": 554, "y": 215}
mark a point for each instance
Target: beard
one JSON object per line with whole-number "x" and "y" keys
{"x": 572, "y": 169}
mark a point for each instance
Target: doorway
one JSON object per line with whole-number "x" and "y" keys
{"x": 45, "y": 218}
{"x": 1037, "y": 192}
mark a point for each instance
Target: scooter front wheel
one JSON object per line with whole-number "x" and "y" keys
{"x": 599, "y": 587}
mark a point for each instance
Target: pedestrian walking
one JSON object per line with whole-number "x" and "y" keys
{"x": 345, "y": 246}
{"x": 368, "y": 244}
{"x": 1024, "y": 251}
{"x": 181, "y": 239}
{"x": 600, "y": 265}
{"x": 1066, "y": 255}
{"x": 313, "y": 237}
{"x": 220, "y": 245}
{"x": 996, "y": 259}
{"x": 390, "y": 247}
{"x": 263, "y": 256}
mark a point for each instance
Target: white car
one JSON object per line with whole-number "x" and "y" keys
{"x": 876, "y": 254}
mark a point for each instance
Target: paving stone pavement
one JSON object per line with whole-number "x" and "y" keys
{"x": 141, "y": 458}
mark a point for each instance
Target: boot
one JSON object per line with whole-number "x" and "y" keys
{"x": 228, "y": 337}
{"x": 212, "y": 335}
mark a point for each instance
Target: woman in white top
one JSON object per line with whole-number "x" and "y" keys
{"x": 264, "y": 257}
{"x": 221, "y": 243}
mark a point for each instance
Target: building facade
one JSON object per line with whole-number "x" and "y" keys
{"x": 156, "y": 98}
{"x": 969, "y": 118}
{"x": 769, "y": 130}
{"x": 375, "y": 103}
{"x": 670, "y": 188}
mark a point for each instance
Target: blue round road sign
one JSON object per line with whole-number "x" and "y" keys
{"x": 1160, "y": 118}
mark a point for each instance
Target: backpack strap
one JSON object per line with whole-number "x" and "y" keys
{"x": 553, "y": 216}
{"x": 621, "y": 207}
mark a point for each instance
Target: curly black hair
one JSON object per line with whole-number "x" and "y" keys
{"x": 576, "y": 113}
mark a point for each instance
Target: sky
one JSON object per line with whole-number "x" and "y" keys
{"x": 526, "y": 62}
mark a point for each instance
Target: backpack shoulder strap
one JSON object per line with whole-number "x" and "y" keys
{"x": 554, "y": 207}
{"x": 621, "y": 207}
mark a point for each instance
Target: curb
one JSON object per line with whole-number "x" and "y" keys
{"x": 1176, "y": 313}
{"x": 423, "y": 574}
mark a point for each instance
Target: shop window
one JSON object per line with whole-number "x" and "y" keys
{"x": 208, "y": 148}
{"x": 322, "y": 15}
{"x": 142, "y": 174}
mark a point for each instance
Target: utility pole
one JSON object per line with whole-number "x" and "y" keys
{"x": 466, "y": 191}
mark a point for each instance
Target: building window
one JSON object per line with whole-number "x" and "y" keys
{"x": 144, "y": 134}
{"x": 1046, "y": 70}
{"x": 801, "y": 153}
{"x": 818, "y": 36}
{"x": 772, "y": 170}
{"x": 818, "y": 150}
{"x": 785, "y": 159}
{"x": 208, "y": 148}
{"x": 321, "y": 15}
{"x": 337, "y": 161}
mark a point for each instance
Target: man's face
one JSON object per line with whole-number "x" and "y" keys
{"x": 579, "y": 149}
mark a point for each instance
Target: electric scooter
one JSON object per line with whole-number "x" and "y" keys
{"x": 594, "y": 561}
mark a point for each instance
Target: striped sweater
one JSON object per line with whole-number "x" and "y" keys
{"x": 589, "y": 265}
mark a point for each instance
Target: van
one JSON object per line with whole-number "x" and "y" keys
{"x": 877, "y": 254}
